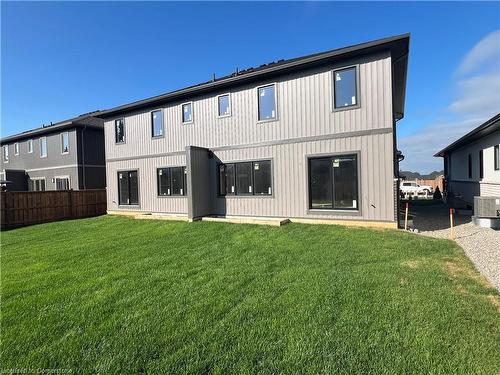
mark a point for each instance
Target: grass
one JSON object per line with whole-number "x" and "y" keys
{"x": 114, "y": 295}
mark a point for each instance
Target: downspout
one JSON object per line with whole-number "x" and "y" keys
{"x": 83, "y": 160}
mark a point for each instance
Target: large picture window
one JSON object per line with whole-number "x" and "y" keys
{"x": 128, "y": 188}
{"x": 171, "y": 181}
{"x": 246, "y": 178}
{"x": 345, "y": 88}
{"x": 333, "y": 182}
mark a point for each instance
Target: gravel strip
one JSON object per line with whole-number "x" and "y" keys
{"x": 481, "y": 245}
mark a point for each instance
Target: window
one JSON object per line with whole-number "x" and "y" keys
{"x": 6, "y": 153}
{"x": 481, "y": 172}
{"x": 333, "y": 182}
{"x": 247, "y": 178}
{"x": 157, "y": 123}
{"x": 187, "y": 112}
{"x": 224, "y": 105}
{"x": 267, "y": 102}
{"x": 43, "y": 147}
{"x": 128, "y": 188}
{"x": 36, "y": 184}
{"x": 469, "y": 165}
{"x": 16, "y": 148}
{"x": 345, "y": 88}
{"x": 171, "y": 181}
{"x": 120, "y": 130}
{"x": 64, "y": 143}
{"x": 62, "y": 183}
{"x": 30, "y": 146}
{"x": 496, "y": 157}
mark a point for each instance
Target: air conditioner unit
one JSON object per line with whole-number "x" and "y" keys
{"x": 487, "y": 207}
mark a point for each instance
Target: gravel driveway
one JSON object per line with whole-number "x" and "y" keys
{"x": 481, "y": 245}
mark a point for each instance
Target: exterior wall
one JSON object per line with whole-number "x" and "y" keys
{"x": 458, "y": 182}
{"x": 306, "y": 126}
{"x": 199, "y": 182}
{"x": 50, "y": 174}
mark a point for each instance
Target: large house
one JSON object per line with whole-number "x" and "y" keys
{"x": 311, "y": 138}
{"x": 472, "y": 164}
{"x": 61, "y": 156}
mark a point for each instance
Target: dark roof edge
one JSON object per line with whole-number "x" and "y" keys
{"x": 470, "y": 135}
{"x": 273, "y": 68}
{"x": 66, "y": 124}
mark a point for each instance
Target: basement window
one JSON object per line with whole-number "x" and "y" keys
{"x": 246, "y": 178}
{"x": 157, "y": 123}
{"x": 187, "y": 113}
{"x": 267, "y": 102}
{"x": 120, "y": 130}
{"x": 171, "y": 181}
{"x": 345, "y": 88}
{"x": 333, "y": 183}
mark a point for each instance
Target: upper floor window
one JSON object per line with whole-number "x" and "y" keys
{"x": 43, "y": 147}
{"x": 157, "y": 123}
{"x": 267, "y": 102}
{"x": 65, "y": 143}
{"x": 224, "y": 105}
{"x": 30, "y": 146}
{"x": 6, "y": 153}
{"x": 345, "y": 88}
{"x": 469, "y": 165}
{"x": 481, "y": 164}
{"x": 496, "y": 157}
{"x": 187, "y": 112}
{"x": 120, "y": 130}
{"x": 16, "y": 148}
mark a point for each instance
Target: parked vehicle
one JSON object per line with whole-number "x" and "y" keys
{"x": 414, "y": 188}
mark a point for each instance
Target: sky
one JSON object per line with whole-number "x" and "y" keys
{"x": 63, "y": 59}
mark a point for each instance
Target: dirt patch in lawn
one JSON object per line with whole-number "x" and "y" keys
{"x": 414, "y": 264}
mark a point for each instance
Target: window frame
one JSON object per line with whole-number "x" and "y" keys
{"x": 5, "y": 155}
{"x": 481, "y": 164}
{"x": 276, "y": 117}
{"x": 469, "y": 166}
{"x": 62, "y": 144}
{"x": 38, "y": 179}
{"x": 16, "y": 149}
{"x": 46, "y": 147}
{"x": 334, "y": 211}
{"x": 496, "y": 157}
{"x": 66, "y": 177}
{"x": 124, "y": 131}
{"x": 138, "y": 205}
{"x": 182, "y": 113}
{"x": 358, "y": 88}
{"x": 30, "y": 144}
{"x": 162, "y": 135}
{"x": 184, "y": 182}
{"x": 247, "y": 195}
{"x": 228, "y": 94}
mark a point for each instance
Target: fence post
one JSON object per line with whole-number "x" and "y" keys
{"x": 452, "y": 234}
{"x": 406, "y": 216}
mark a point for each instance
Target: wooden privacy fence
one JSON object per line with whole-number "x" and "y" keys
{"x": 20, "y": 208}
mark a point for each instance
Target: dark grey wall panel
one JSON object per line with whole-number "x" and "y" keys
{"x": 199, "y": 187}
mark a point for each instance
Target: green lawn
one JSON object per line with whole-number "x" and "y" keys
{"x": 116, "y": 295}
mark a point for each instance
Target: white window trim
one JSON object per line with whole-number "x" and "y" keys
{"x": 358, "y": 88}
{"x": 61, "y": 178}
{"x": 162, "y": 123}
{"x": 5, "y": 159}
{"x": 218, "y": 106}
{"x": 62, "y": 144}
{"x": 16, "y": 148}
{"x": 182, "y": 113}
{"x": 46, "y": 147}
{"x": 276, "y": 117}
{"x": 37, "y": 179}
{"x": 30, "y": 141}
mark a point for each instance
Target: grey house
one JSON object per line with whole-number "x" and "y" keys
{"x": 311, "y": 138}
{"x": 472, "y": 164}
{"x": 65, "y": 155}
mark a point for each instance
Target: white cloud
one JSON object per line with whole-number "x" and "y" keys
{"x": 487, "y": 51}
{"x": 477, "y": 98}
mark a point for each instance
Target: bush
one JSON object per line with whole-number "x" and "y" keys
{"x": 437, "y": 194}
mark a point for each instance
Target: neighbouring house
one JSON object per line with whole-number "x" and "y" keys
{"x": 472, "y": 165}
{"x": 308, "y": 138}
{"x": 61, "y": 156}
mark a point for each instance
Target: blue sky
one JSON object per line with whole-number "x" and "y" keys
{"x": 63, "y": 59}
